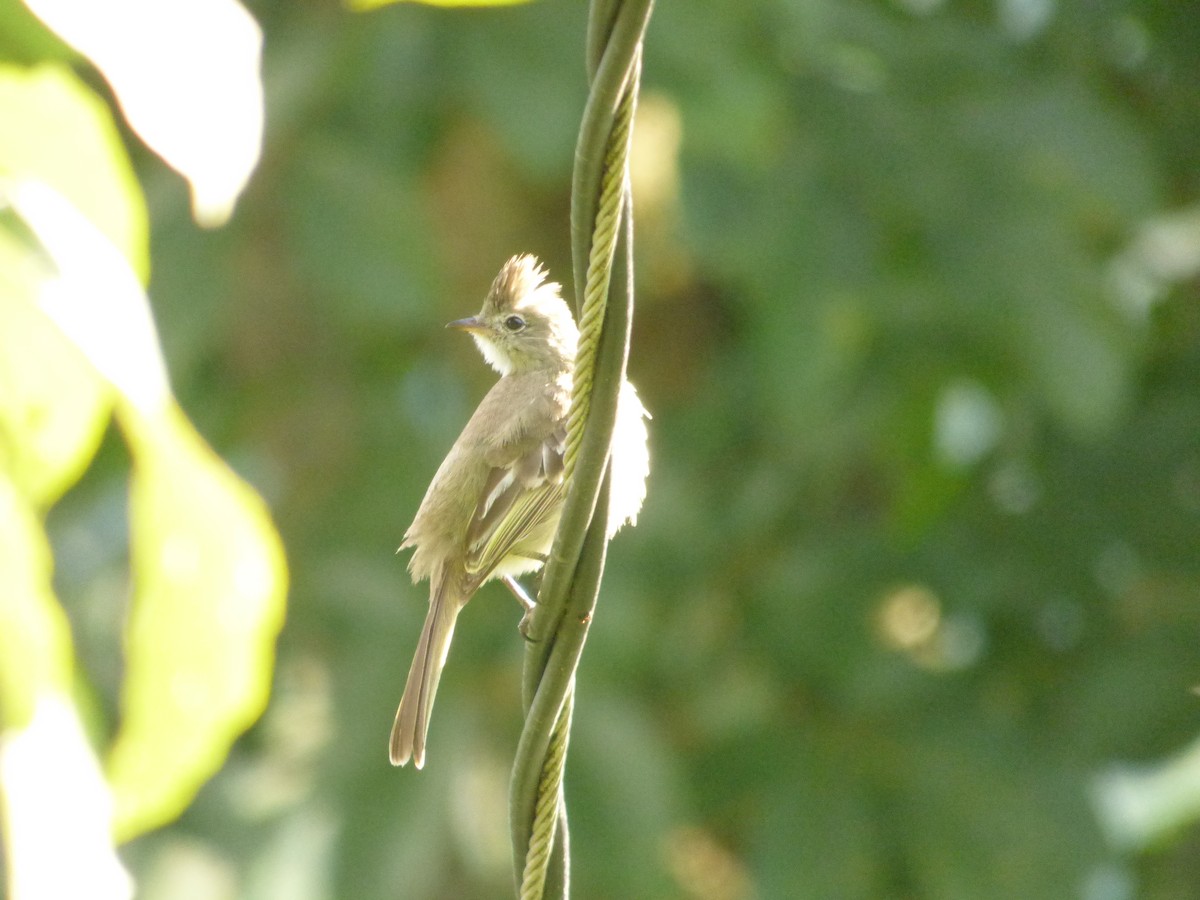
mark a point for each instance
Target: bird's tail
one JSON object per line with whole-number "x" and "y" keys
{"x": 412, "y": 718}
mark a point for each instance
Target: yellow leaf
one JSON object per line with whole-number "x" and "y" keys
{"x": 53, "y": 405}
{"x": 208, "y": 567}
{"x": 35, "y": 639}
{"x": 209, "y": 585}
{"x": 55, "y": 130}
{"x": 92, "y": 294}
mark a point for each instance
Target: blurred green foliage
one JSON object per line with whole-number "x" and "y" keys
{"x": 202, "y": 596}
{"x": 918, "y": 324}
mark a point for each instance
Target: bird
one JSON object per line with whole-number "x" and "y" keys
{"x": 493, "y": 506}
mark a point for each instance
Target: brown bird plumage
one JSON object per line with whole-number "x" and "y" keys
{"x": 494, "y": 504}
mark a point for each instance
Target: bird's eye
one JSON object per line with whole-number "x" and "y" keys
{"x": 514, "y": 323}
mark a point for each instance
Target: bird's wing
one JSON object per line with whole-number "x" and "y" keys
{"x": 519, "y": 498}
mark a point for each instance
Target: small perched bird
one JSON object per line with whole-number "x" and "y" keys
{"x": 493, "y": 507}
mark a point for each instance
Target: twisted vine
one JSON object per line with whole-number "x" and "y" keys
{"x": 603, "y": 278}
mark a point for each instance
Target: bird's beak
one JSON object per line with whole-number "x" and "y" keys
{"x": 471, "y": 323}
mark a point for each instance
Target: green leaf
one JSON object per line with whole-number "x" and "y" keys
{"x": 55, "y": 130}
{"x": 209, "y": 599}
{"x": 24, "y": 39}
{"x": 208, "y": 567}
{"x": 35, "y": 640}
{"x": 53, "y": 405}
{"x": 51, "y": 411}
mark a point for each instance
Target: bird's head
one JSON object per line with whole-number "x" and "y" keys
{"x": 524, "y": 325}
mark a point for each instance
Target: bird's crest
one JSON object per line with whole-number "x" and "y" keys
{"x": 519, "y": 279}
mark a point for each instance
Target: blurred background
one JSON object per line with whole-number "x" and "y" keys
{"x": 912, "y": 609}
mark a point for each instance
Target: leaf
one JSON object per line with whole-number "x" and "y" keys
{"x": 53, "y": 405}
{"x": 94, "y": 297}
{"x": 187, "y": 77}
{"x": 57, "y": 809}
{"x": 53, "y": 410}
{"x": 24, "y": 39}
{"x": 209, "y": 590}
{"x": 55, "y": 805}
{"x": 35, "y": 639}
{"x": 55, "y": 130}
{"x": 208, "y": 567}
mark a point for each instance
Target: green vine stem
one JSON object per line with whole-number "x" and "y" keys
{"x": 558, "y": 629}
